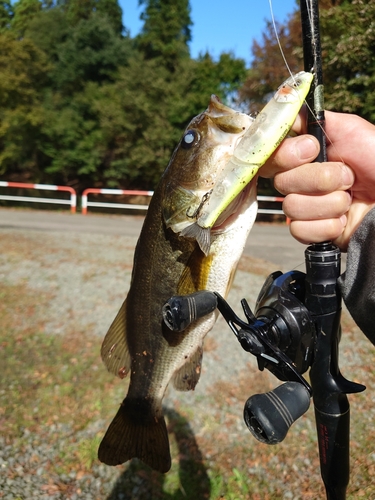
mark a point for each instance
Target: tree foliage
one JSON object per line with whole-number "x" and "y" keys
{"x": 78, "y": 10}
{"x": 23, "y": 75}
{"x": 6, "y": 15}
{"x": 349, "y": 54}
{"x": 166, "y": 31}
{"x": 348, "y": 47}
{"x": 82, "y": 103}
{"x": 268, "y": 69}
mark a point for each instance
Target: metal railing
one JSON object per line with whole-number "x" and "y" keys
{"x": 48, "y": 187}
{"x": 86, "y": 203}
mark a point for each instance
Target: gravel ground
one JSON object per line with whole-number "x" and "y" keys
{"x": 85, "y": 278}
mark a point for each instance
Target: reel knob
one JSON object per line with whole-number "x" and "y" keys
{"x": 270, "y": 415}
{"x": 181, "y": 310}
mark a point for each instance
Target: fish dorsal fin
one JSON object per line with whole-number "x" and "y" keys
{"x": 186, "y": 378}
{"x": 115, "y": 353}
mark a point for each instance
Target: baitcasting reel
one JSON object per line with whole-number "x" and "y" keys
{"x": 281, "y": 335}
{"x": 285, "y": 334}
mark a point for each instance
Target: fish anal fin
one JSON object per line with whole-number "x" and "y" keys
{"x": 187, "y": 377}
{"x": 114, "y": 351}
{"x": 136, "y": 432}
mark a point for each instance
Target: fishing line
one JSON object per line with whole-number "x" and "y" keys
{"x": 291, "y": 74}
{"x": 278, "y": 39}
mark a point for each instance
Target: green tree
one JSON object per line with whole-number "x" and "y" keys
{"x": 136, "y": 115}
{"x": 85, "y": 57}
{"x": 23, "y": 76}
{"x": 49, "y": 128}
{"x": 90, "y": 51}
{"x": 24, "y": 12}
{"x": 349, "y": 57}
{"x": 76, "y": 10}
{"x": 6, "y": 15}
{"x": 166, "y": 31}
{"x": 222, "y": 77}
{"x": 72, "y": 138}
{"x": 48, "y": 30}
{"x": 81, "y": 104}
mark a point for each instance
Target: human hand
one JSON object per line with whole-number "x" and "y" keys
{"x": 326, "y": 201}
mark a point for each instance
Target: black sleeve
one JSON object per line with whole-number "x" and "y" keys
{"x": 357, "y": 284}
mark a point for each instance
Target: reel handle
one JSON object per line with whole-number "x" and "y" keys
{"x": 270, "y": 415}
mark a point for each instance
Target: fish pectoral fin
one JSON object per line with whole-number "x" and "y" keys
{"x": 114, "y": 351}
{"x": 136, "y": 432}
{"x": 187, "y": 377}
{"x": 201, "y": 234}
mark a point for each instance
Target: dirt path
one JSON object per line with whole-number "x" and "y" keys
{"x": 270, "y": 242}
{"x": 76, "y": 281}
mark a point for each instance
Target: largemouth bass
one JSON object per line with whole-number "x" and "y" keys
{"x": 166, "y": 264}
{"x": 192, "y": 239}
{"x": 261, "y": 139}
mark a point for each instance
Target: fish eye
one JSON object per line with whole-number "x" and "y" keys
{"x": 190, "y": 139}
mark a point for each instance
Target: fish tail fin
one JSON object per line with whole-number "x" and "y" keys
{"x": 136, "y": 432}
{"x": 201, "y": 234}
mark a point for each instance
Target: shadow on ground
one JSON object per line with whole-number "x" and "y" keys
{"x": 191, "y": 482}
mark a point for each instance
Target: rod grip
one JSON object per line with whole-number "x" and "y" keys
{"x": 333, "y": 438}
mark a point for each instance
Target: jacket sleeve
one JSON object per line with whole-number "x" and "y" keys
{"x": 357, "y": 284}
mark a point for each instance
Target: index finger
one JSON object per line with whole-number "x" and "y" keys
{"x": 299, "y": 126}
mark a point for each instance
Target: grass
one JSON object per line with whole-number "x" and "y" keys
{"x": 55, "y": 387}
{"x": 45, "y": 378}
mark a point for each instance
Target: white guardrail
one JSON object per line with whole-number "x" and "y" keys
{"x": 48, "y": 187}
{"x": 85, "y": 203}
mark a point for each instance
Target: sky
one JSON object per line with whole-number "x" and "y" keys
{"x": 221, "y": 26}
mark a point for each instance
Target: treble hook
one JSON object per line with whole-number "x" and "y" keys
{"x": 196, "y": 214}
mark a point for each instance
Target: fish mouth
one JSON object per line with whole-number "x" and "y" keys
{"x": 227, "y": 119}
{"x": 231, "y": 212}
{"x": 203, "y": 235}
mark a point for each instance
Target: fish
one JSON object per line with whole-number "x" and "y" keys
{"x": 192, "y": 238}
{"x": 261, "y": 139}
{"x": 138, "y": 342}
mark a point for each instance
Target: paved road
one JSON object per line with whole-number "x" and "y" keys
{"x": 270, "y": 242}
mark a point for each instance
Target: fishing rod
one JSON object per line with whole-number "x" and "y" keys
{"x": 295, "y": 325}
{"x": 329, "y": 387}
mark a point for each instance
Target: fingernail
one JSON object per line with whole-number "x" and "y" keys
{"x": 343, "y": 220}
{"x": 306, "y": 148}
{"x": 347, "y": 176}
